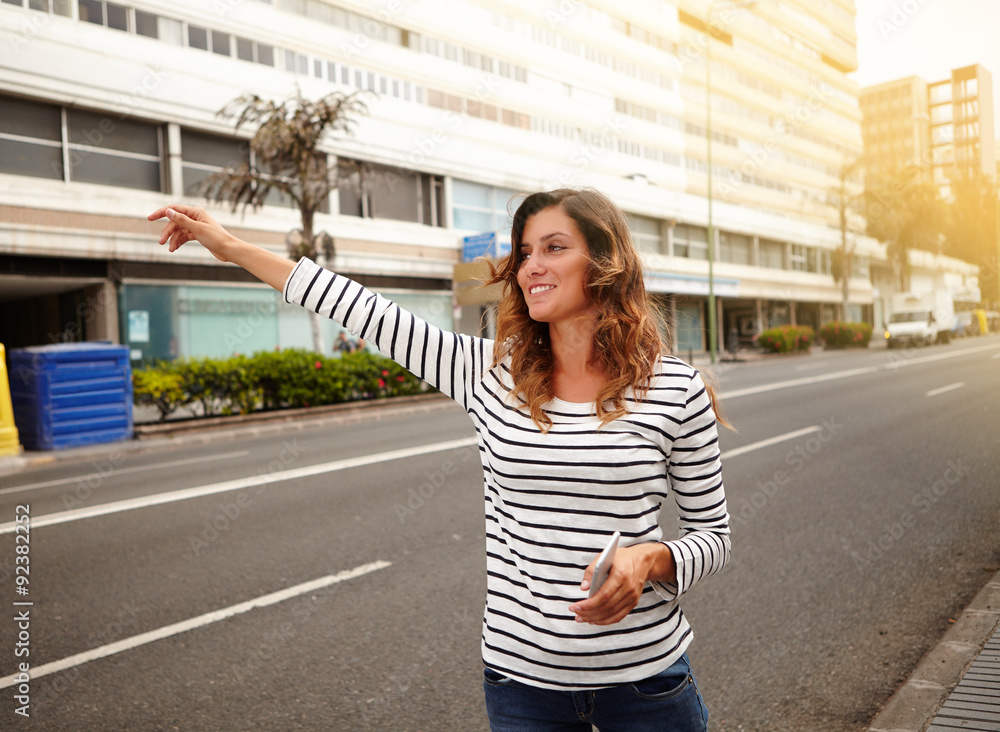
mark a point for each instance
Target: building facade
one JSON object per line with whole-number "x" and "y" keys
{"x": 945, "y": 127}
{"x": 109, "y": 110}
{"x": 895, "y": 127}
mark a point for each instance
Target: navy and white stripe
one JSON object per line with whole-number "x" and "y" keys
{"x": 553, "y": 499}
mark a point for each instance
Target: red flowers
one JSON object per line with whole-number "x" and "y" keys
{"x": 381, "y": 383}
{"x": 319, "y": 364}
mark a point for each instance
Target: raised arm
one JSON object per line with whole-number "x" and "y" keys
{"x": 448, "y": 361}
{"x": 190, "y": 223}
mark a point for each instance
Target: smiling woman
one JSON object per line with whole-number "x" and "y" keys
{"x": 586, "y": 426}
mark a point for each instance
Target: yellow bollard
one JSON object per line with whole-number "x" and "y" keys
{"x": 9, "y": 444}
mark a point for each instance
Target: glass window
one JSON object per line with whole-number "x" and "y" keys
{"x": 393, "y": 193}
{"x": 92, "y": 11}
{"x": 645, "y": 233}
{"x": 204, "y": 154}
{"x": 772, "y": 254}
{"x": 30, "y": 119}
{"x": 87, "y": 166}
{"x": 197, "y": 37}
{"x": 734, "y": 248}
{"x": 471, "y": 194}
{"x": 145, "y": 24}
{"x": 350, "y": 188}
{"x": 480, "y": 207}
{"x": 42, "y": 5}
{"x": 19, "y": 157}
{"x": 479, "y": 221}
{"x": 62, "y": 7}
{"x": 798, "y": 259}
{"x": 220, "y": 43}
{"x": 170, "y": 31}
{"x": 117, "y": 16}
{"x": 244, "y": 49}
{"x": 109, "y": 131}
{"x": 212, "y": 150}
{"x": 690, "y": 241}
{"x": 265, "y": 54}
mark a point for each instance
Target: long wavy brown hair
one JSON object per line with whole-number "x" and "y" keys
{"x": 627, "y": 338}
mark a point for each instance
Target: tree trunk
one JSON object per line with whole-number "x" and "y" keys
{"x": 315, "y": 320}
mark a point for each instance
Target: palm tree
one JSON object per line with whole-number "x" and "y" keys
{"x": 287, "y": 161}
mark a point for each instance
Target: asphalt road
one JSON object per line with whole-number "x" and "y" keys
{"x": 865, "y": 508}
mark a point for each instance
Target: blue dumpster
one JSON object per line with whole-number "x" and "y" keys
{"x": 71, "y": 394}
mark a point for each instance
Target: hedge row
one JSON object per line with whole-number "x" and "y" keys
{"x": 846, "y": 335}
{"x": 787, "y": 338}
{"x": 269, "y": 380}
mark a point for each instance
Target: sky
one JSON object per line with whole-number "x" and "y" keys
{"x": 926, "y": 38}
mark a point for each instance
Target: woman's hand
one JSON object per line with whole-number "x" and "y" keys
{"x": 632, "y": 568}
{"x": 190, "y": 223}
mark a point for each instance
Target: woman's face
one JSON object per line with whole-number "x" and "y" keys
{"x": 554, "y": 260}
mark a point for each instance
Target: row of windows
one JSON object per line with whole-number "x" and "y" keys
{"x": 57, "y": 7}
{"x": 80, "y": 146}
{"x": 225, "y": 44}
{"x": 176, "y": 32}
{"x": 691, "y": 242}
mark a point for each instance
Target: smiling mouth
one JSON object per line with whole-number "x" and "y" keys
{"x": 540, "y": 288}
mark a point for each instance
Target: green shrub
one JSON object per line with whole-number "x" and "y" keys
{"x": 161, "y": 387}
{"x": 846, "y": 335}
{"x": 204, "y": 382}
{"x": 271, "y": 380}
{"x": 786, "y": 338}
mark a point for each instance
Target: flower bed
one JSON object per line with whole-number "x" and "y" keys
{"x": 270, "y": 380}
{"x": 786, "y": 338}
{"x": 846, "y": 335}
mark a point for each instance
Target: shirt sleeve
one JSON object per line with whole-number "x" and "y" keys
{"x": 447, "y": 361}
{"x": 695, "y": 475}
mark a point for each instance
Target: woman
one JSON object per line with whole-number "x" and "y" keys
{"x": 584, "y": 426}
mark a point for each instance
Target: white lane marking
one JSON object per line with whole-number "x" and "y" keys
{"x": 104, "y": 509}
{"x": 902, "y": 363}
{"x": 943, "y": 389}
{"x": 768, "y": 442}
{"x": 809, "y": 367}
{"x": 123, "y": 471}
{"x": 186, "y": 625}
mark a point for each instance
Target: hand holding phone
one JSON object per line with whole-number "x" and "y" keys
{"x": 604, "y": 562}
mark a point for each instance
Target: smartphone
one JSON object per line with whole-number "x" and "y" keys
{"x": 604, "y": 564}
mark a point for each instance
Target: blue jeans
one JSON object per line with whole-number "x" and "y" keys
{"x": 667, "y": 702}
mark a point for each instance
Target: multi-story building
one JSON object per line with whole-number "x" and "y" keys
{"x": 108, "y": 111}
{"x": 963, "y": 140}
{"x": 895, "y": 127}
{"x": 945, "y": 127}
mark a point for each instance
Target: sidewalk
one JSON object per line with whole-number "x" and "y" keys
{"x": 957, "y": 684}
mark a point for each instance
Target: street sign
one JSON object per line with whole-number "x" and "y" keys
{"x": 484, "y": 245}
{"x": 478, "y": 245}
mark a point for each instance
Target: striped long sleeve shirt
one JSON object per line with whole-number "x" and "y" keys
{"x": 553, "y": 499}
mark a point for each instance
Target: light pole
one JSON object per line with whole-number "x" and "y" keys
{"x": 712, "y": 325}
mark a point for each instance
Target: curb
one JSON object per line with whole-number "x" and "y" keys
{"x": 912, "y": 707}
{"x": 215, "y": 429}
